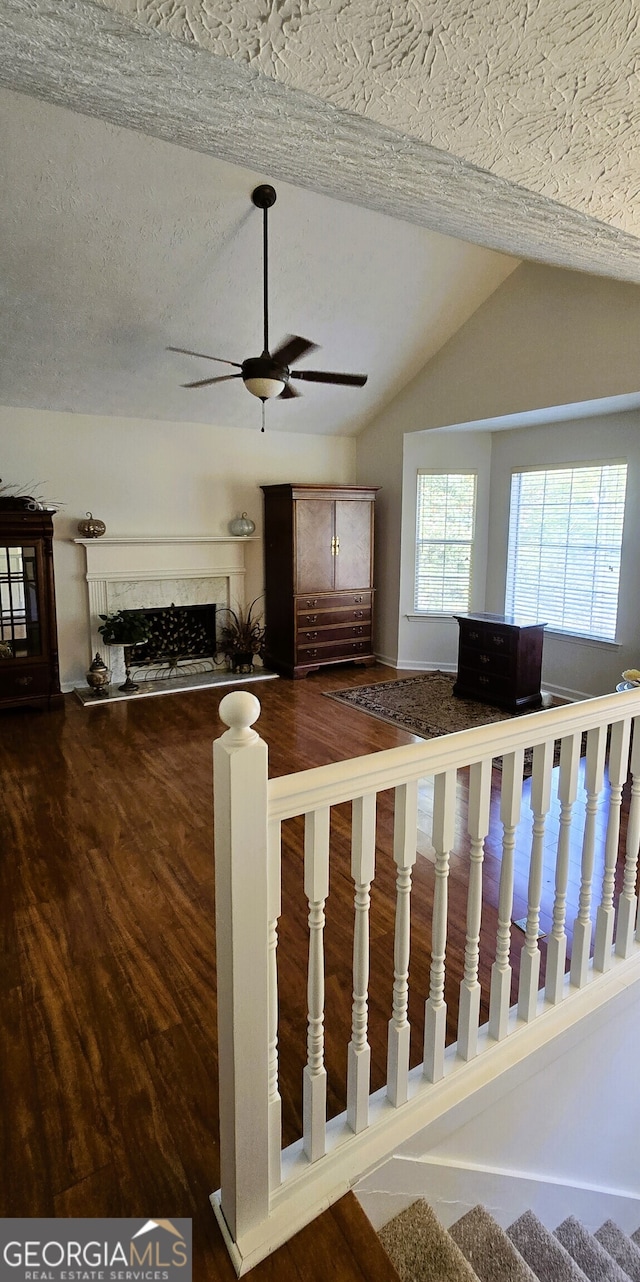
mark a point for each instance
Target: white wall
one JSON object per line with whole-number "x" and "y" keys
{"x": 433, "y": 642}
{"x": 545, "y": 337}
{"x": 558, "y": 1135}
{"x": 147, "y": 477}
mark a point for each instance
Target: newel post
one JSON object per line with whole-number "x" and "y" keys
{"x": 242, "y": 952}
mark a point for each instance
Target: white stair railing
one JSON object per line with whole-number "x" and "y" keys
{"x": 266, "y": 1195}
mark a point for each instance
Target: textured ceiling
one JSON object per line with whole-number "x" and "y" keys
{"x": 149, "y": 70}
{"x": 543, "y": 93}
{"x": 510, "y": 125}
{"x": 114, "y": 245}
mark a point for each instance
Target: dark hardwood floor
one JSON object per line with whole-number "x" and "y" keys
{"x": 108, "y": 1071}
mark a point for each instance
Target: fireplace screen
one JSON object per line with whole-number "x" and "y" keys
{"x": 180, "y": 636}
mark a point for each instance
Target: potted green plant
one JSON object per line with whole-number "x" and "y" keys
{"x": 127, "y": 628}
{"x": 242, "y": 636}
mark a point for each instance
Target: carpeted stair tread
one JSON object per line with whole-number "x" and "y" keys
{"x": 623, "y": 1249}
{"x": 543, "y": 1252}
{"x": 422, "y": 1250}
{"x": 488, "y": 1249}
{"x": 594, "y": 1260}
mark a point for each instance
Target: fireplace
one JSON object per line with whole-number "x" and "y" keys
{"x": 149, "y": 572}
{"x": 182, "y": 639}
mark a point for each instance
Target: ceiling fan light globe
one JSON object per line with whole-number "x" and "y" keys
{"x": 264, "y": 388}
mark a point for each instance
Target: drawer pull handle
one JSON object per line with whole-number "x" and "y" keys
{"x": 24, "y": 681}
{"x": 358, "y": 631}
{"x": 484, "y": 658}
{"x": 357, "y": 600}
{"x": 311, "y": 636}
{"x": 312, "y": 603}
{"x": 474, "y": 635}
{"x": 312, "y": 654}
{"x": 358, "y": 614}
{"x": 498, "y": 640}
{"x": 483, "y": 681}
{"x": 311, "y": 618}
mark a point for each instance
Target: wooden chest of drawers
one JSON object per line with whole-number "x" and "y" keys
{"x": 499, "y": 661}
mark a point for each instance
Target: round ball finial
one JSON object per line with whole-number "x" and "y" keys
{"x": 239, "y": 710}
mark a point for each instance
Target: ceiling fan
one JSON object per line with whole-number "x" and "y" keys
{"x": 269, "y": 375}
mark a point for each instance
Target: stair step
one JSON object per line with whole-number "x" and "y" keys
{"x": 621, "y": 1247}
{"x": 588, "y": 1253}
{"x": 543, "y": 1252}
{"x": 488, "y": 1249}
{"x": 422, "y": 1250}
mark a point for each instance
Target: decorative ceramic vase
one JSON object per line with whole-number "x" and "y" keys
{"x": 242, "y": 526}
{"x": 91, "y": 528}
{"x": 98, "y": 677}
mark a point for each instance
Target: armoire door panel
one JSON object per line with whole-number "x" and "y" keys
{"x": 353, "y": 544}
{"x": 314, "y": 547}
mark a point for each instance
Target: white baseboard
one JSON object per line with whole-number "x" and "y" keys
{"x": 453, "y": 1188}
{"x": 386, "y": 660}
{"x": 405, "y": 665}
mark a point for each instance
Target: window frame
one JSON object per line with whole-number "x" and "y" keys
{"x": 420, "y": 611}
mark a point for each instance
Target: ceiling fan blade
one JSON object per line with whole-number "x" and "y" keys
{"x": 287, "y": 392}
{"x": 291, "y": 349}
{"x": 206, "y": 382}
{"x": 322, "y": 376}
{"x": 185, "y": 352}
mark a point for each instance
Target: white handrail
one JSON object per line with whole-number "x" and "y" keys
{"x": 341, "y": 781}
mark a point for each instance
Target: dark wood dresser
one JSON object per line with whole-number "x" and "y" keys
{"x": 318, "y": 542}
{"x": 499, "y": 661}
{"x": 28, "y": 638}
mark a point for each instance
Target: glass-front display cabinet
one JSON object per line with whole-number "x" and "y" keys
{"x": 28, "y": 638}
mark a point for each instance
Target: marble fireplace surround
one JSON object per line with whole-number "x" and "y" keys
{"x": 141, "y": 571}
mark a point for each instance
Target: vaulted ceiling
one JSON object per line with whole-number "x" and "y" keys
{"x": 512, "y": 126}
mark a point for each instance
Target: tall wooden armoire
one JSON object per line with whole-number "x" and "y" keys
{"x": 318, "y": 576}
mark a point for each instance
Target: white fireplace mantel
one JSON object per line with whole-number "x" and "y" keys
{"x": 124, "y": 559}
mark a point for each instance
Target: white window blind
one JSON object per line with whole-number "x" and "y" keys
{"x": 565, "y": 539}
{"x": 445, "y": 522}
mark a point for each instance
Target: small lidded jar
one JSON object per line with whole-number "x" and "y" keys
{"x": 98, "y": 677}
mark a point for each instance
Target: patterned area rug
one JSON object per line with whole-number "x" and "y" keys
{"x": 421, "y": 705}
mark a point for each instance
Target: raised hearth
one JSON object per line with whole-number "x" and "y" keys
{"x": 204, "y": 681}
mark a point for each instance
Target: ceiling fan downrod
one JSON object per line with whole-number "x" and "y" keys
{"x": 263, "y": 198}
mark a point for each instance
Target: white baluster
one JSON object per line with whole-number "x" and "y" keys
{"x": 478, "y": 827}
{"x": 274, "y": 910}
{"x": 594, "y": 777}
{"x": 510, "y": 804}
{"x": 435, "y": 1011}
{"x": 363, "y": 853}
{"x": 405, "y": 836}
{"x": 628, "y": 902}
{"x": 242, "y": 915}
{"x": 618, "y": 763}
{"x": 530, "y": 954}
{"x": 316, "y": 887}
{"x": 567, "y": 793}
